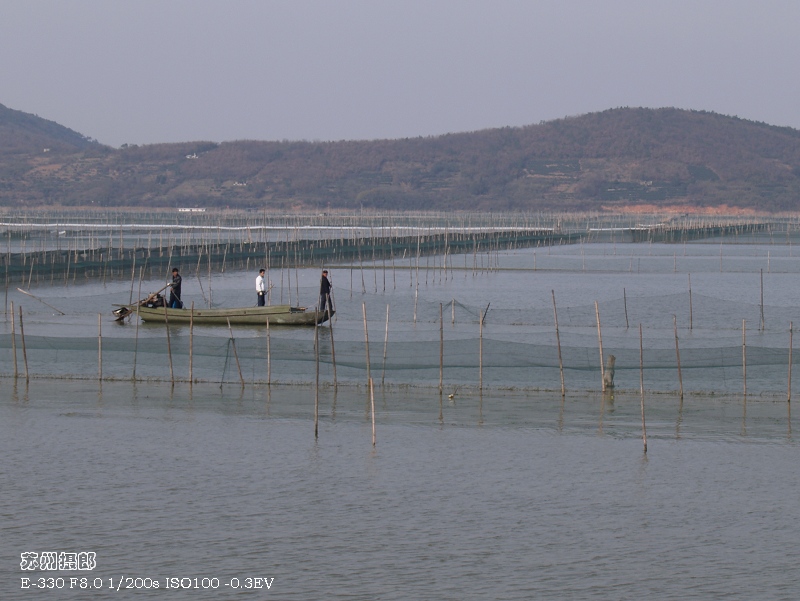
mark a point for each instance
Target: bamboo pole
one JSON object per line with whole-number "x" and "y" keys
{"x": 269, "y": 358}
{"x": 136, "y": 337}
{"x": 30, "y": 275}
{"x": 641, "y": 387}
{"x": 441, "y": 350}
{"x": 625, "y": 304}
{"x": 678, "y": 354}
{"x": 600, "y": 342}
{"x": 40, "y": 300}
{"x": 416, "y": 295}
{"x": 789, "y": 389}
{"x": 66, "y": 277}
{"x": 316, "y": 366}
{"x": 191, "y": 344}
{"x": 558, "y": 344}
{"x": 169, "y": 346}
{"x": 372, "y": 408}
{"x": 480, "y": 354}
{"x": 100, "y": 347}
{"x": 385, "y": 345}
{"x": 14, "y": 340}
{"x": 7, "y": 265}
{"x": 133, "y": 275}
{"x": 210, "y": 295}
{"x": 744, "y": 358}
{"x": 333, "y": 345}
{"x": 366, "y": 338}
{"x": 24, "y": 350}
{"x": 762, "y": 300}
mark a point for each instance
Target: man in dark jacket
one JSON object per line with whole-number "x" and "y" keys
{"x": 324, "y": 292}
{"x": 175, "y": 290}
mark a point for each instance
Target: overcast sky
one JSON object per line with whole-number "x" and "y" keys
{"x": 149, "y": 71}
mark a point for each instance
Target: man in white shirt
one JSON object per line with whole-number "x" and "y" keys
{"x": 261, "y": 288}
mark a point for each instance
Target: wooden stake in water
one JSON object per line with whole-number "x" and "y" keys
{"x": 625, "y": 304}
{"x": 191, "y": 344}
{"x": 641, "y": 387}
{"x": 600, "y": 341}
{"x": 14, "y": 340}
{"x": 316, "y": 367}
{"x": 24, "y": 350}
{"x": 788, "y": 394}
{"x": 269, "y": 358}
{"x": 744, "y": 358}
{"x": 100, "y": 347}
{"x": 558, "y": 344}
{"x": 366, "y": 338}
{"x": 133, "y": 276}
{"x": 385, "y": 346}
{"x": 333, "y": 345}
{"x": 136, "y": 336}
{"x": 416, "y": 295}
{"x": 480, "y": 355}
{"x": 678, "y": 355}
{"x": 690, "y": 301}
{"x": 762, "y": 300}
{"x": 441, "y": 349}
{"x": 372, "y": 408}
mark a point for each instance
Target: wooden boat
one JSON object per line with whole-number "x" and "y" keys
{"x": 276, "y": 314}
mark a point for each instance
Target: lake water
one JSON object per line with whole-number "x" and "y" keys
{"x": 515, "y": 493}
{"x": 504, "y": 497}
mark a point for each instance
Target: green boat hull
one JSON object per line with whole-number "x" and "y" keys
{"x": 275, "y": 314}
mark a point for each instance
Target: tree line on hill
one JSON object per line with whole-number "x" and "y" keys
{"x": 611, "y": 160}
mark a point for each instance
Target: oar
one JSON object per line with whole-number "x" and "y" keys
{"x": 41, "y": 301}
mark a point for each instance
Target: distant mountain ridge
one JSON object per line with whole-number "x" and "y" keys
{"x": 25, "y": 133}
{"x": 611, "y": 160}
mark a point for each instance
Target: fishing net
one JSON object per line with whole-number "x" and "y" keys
{"x": 514, "y": 348}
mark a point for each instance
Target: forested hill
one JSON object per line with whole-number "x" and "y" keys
{"x": 23, "y": 134}
{"x": 612, "y": 160}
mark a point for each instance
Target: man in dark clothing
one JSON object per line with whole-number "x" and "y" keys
{"x": 175, "y": 290}
{"x": 324, "y": 292}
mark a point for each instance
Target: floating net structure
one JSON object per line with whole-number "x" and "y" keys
{"x": 692, "y": 342}
{"x": 521, "y": 302}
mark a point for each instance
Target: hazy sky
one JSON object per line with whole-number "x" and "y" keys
{"x": 148, "y": 71}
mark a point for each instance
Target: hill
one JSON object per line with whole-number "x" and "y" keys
{"x": 23, "y": 133}
{"x": 611, "y": 160}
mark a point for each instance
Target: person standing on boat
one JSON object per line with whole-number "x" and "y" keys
{"x": 261, "y": 288}
{"x": 324, "y": 292}
{"x": 175, "y": 290}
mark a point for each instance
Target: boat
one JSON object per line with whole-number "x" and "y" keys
{"x": 152, "y": 309}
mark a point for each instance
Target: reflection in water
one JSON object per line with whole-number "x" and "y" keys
{"x": 789, "y": 420}
{"x": 602, "y": 414}
{"x": 744, "y": 416}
